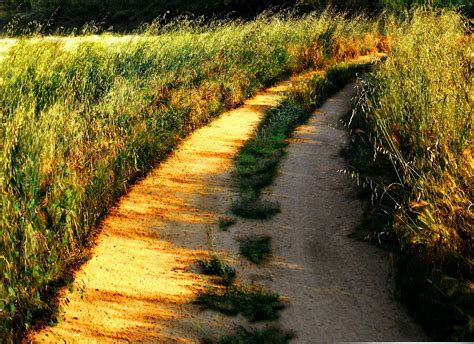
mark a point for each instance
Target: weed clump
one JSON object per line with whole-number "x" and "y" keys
{"x": 215, "y": 266}
{"x": 256, "y": 248}
{"x": 226, "y": 222}
{"x": 254, "y": 303}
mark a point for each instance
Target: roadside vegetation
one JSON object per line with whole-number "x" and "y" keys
{"x": 412, "y": 150}
{"x": 253, "y": 302}
{"x": 256, "y": 165}
{"x": 84, "y": 118}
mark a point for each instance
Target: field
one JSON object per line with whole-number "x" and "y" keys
{"x": 90, "y": 114}
{"x": 82, "y": 120}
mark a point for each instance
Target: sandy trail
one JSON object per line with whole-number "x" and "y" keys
{"x": 338, "y": 289}
{"x": 137, "y": 286}
{"x": 140, "y": 281}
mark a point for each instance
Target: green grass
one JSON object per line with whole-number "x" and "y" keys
{"x": 256, "y": 248}
{"x": 413, "y": 152}
{"x": 215, "y": 266}
{"x": 254, "y": 303}
{"x": 256, "y": 164}
{"x": 269, "y": 335}
{"x": 84, "y": 118}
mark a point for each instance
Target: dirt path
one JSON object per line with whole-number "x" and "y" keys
{"x": 338, "y": 289}
{"x": 138, "y": 285}
{"x": 140, "y": 281}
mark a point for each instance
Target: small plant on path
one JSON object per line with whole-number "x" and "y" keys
{"x": 225, "y": 222}
{"x": 215, "y": 266}
{"x": 256, "y": 248}
{"x": 254, "y": 303}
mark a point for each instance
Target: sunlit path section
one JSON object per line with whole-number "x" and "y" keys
{"x": 339, "y": 289}
{"x": 138, "y": 285}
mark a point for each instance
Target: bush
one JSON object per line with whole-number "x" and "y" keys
{"x": 254, "y": 303}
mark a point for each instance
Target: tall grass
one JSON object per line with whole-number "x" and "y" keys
{"x": 416, "y": 112}
{"x": 79, "y": 121}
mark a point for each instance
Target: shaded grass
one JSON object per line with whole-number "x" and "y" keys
{"x": 254, "y": 303}
{"x": 256, "y": 248}
{"x": 251, "y": 208}
{"x": 269, "y": 335}
{"x": 226, "y": 222}
{"x": 215, "y": 266}
{"x": 125, "y": 16}
{"x": 257, "y": 162}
